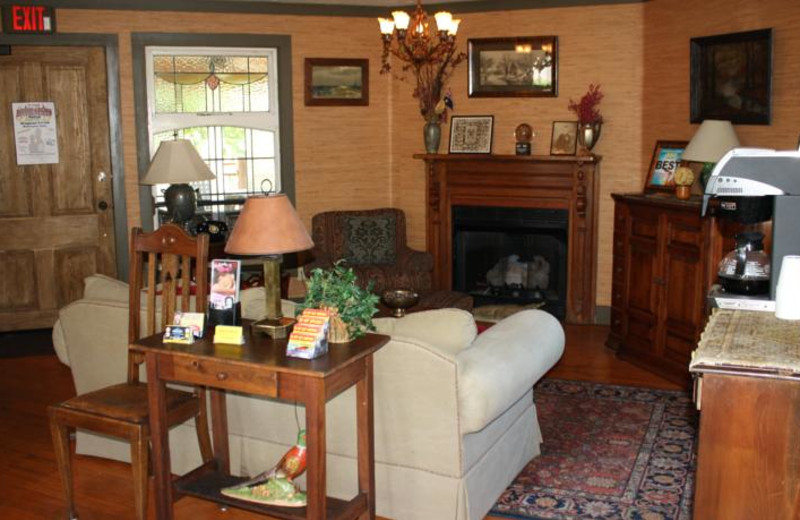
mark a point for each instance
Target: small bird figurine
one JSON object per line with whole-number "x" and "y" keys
{"x": 291, "y": 465}
{"x": 276, "y": 485}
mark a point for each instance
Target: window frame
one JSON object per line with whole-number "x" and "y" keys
{"x": 283, "y": 44}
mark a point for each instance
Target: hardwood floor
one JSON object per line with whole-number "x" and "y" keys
{"x": 29, "y": 484}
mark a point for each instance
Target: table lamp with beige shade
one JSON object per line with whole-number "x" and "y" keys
{"x": 712, "y": 140}
{"x": 269, "y": 226}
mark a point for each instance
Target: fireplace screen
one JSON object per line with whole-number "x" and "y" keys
{"x": 513, "y": 256}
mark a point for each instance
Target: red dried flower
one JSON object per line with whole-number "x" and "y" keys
{"x": 586, "y": 109}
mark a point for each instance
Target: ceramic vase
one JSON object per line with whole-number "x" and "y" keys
{"x": 432, "y": 133}
{"x": 588, "y": 134}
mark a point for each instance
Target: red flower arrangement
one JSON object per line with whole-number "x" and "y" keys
{"x": 586, "y": 109}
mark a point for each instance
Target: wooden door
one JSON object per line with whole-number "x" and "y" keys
{"x": 56, "y": 219}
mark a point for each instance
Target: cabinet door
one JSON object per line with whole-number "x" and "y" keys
{"x": 641, "y": 266}
{"x": 684, "y": 290}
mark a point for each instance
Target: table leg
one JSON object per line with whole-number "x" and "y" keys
{"x": 365, "y": 421}
{"x": 159, "y": 436}
{"x": 315, "y": 443}
{"x": 219, "y": 427}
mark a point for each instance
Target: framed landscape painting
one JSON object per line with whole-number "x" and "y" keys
{"x": 336, "y": 82}
{"x": 509, "y": 67}
{"x": 731, "y": 77}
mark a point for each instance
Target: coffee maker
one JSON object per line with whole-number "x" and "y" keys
{"x": 756, "y": 173}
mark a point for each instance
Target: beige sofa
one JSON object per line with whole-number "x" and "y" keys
{"x": 455, "y": 420}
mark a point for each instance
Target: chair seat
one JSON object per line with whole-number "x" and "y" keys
{"x": 125, "y": 402}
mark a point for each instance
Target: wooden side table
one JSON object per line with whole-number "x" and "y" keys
{"x": 748, "y": 391}
{"x": 260, "y": 367}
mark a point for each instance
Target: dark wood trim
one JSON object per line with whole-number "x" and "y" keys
{"x": 281, "y": 42}
{"x": 268, "y": 7}
{"x": 111, "y": 44}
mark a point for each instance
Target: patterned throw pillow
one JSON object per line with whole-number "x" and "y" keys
{"x": 369, "y": 240}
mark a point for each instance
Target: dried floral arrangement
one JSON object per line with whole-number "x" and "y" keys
{"x": 586, "y": 109}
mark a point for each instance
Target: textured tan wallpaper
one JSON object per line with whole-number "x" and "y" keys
{"x": 360, "y": 157}
{"x": 595, "y": 45}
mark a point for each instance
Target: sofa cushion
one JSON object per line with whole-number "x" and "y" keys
{"x": 447, "y": 330}
{"x": 370, "y": 240}
{"x": 101, "y": 287}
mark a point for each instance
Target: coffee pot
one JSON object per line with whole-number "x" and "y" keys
{"x": 746, "y": 269}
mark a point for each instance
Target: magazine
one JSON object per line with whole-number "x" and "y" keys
{"x": 225, "y": 278}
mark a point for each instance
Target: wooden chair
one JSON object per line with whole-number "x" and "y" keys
{"x": 121, "y": 410}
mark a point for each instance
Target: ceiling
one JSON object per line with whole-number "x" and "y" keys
{"x": 381, "y": 3}
{"x": 358, "y": 8}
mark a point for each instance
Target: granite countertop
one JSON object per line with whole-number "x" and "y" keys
{"x": 749, "y": 340}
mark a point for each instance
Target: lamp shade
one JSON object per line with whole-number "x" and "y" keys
{"x": 268, "y": 225}
{"x": 177, "y": 162}
{"x": 711, "y": 141}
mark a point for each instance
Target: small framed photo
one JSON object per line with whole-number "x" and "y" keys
{"x": 524, "y": 66}
{"x": 565, "y": 138}
{"x": 336, "y": 82}
{"x": 225, "y": 280}
{"x": 731, "y": 77}
{"x": 666, "y": 159}
{"x": 471, "y": 134}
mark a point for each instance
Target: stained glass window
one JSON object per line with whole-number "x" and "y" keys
{"x": 224, "y": 100}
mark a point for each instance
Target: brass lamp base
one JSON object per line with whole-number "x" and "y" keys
{"x": 276, "y": 329}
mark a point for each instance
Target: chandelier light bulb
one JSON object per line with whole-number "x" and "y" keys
{"x": 387, "y": 25}
{"x": 444, "y": 21}
{"x": 454, "y": 23}
{"x": 401, "y": 20}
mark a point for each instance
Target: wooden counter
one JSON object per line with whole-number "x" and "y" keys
{"x": 748, "y": 390}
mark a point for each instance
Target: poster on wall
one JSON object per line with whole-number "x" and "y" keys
{"x": 35, "y": 133}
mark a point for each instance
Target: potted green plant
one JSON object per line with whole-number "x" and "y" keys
{"x": 351, "y": 307}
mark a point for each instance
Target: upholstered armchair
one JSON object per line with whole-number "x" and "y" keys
{"x": 373, "y": 243}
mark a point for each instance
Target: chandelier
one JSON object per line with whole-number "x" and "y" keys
{"x": 414, "y": 43}
{"x": 431, "y": 57}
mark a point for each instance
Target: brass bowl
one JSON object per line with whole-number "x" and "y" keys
{"x": 400, "y": 300}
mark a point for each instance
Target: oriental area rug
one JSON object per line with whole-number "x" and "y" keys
{"x": 609, "y": 452}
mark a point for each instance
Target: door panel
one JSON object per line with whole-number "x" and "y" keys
{"x": 56, "y": 230}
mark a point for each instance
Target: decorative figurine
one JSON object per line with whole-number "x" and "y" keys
{"x": 684, "y": 177}
{"x": 276, "y": 485}
{"x": 524, "y": 134}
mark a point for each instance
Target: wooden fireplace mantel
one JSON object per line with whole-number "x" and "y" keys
{"x": 535, "y": 181}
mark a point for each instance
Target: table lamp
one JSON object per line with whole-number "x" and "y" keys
{"x": 177, "y": 163}
{"x": 268, "y": 226}
{"x": 711, "y": 141}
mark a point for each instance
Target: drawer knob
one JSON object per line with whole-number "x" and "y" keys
{"x": 222, "y": 376}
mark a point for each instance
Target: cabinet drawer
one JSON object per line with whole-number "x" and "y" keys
{"x": 221, "y": 375}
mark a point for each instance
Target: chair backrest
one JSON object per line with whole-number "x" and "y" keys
{"x": 170, "y": 263}
{"x": 361, "y": 236}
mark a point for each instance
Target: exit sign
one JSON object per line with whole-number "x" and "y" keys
{"x": 29, "y": 19}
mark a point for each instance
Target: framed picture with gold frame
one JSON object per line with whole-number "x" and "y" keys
{"x": 523, "y": 66}
{"x": 666, "y": 159}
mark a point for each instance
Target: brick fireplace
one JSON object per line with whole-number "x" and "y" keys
{"x": 560, "y": 191}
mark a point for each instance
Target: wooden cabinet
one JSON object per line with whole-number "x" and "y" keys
{"x": 665, "y": 260}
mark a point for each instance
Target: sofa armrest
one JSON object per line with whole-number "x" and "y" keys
{"x": 504, "y": 363}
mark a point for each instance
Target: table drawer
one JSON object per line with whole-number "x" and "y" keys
{"x": 218, "y": 374}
